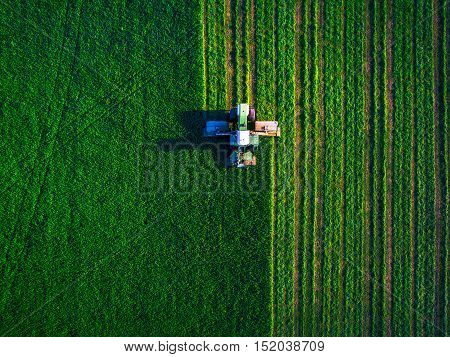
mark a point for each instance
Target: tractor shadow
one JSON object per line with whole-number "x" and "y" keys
{"x": 193, "y": 122}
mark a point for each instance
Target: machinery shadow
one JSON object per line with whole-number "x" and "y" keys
{"x": 193, "y": 122}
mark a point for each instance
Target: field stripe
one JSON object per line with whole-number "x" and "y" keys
{"x": 229, "y": 66}
{"x": 307, "y": 256}
{"x": 368, "y": 166}
{"x": 403, "y": 64}
{"x": 239, "y": 43}
{"x": 420, "y": 174}
{"x": 413, "y": 209}
{"x": 334, "y": 171}
{"x": 329, "y": 167}
{"x": 401, "y": 175}
{"x": 251, "y": 36}
{"x": 430, "y": 235}
{"x": 340, "y": 316}
{"x": 205, "y": 58}
{"x": 350, "y": 169}
{"x": 359, "y": 135}
{"x": 389, "y": 105}
{"x": 319, "y": 169}
{"x": 439, "y": 174}
{"x": 445, "y": 51}
{"x": 297, "y": 182}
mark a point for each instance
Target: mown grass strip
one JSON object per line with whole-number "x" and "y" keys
{"x": 229, "y": 64}
{"x": 368, "y": 205}
{"x": 420, "y": 175}
{"x": 429, "y": 183}
{"x": 404, "y": 31}
{"x": 378, "y": 169}
{"x": 319, "y": 167}
{"x": 265, "y": 97}
{"x": 400, "y": 151}
{"x": 334, "y": 151}
{"x": 439, "y": 82}
{"x": 358, "y": 188}
{"x": 285, "y": 199}
{"x": 298, "y": 151}
{"x": 388, "y": 169}
{"x": 413, "y": 207}
{"x": 350, "y": 210}
{"x": 308, "y": 192}
{"x": 445, "y": 66}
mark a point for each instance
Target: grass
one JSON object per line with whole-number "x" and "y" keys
{"x": 107, "y": 229}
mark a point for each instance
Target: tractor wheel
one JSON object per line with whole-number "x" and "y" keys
{"x": 252, "y": 114}
{"x": 233, "y": 114}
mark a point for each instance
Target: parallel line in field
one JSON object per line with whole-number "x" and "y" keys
{"x": 438, "y": 131}
{"x": 251, "y": 29}
{"x": 405, "y": 81}
{"x": 319, "y": 171}
{"x": 399, "y": 320}
{"x": 274, "y": 172}
{"x": 358, "y": 34}
{"x": 205, "y": 54}
{"x": 445, "y": 51}
{"x": 309, "y": 137}
{"x": 368, "y": 165}
{"x": 343, "y": 184}
{"x": 378, "y": 157}
{"x": 235, "y": 53}
{"x": 413, "y": 196}
{"x": 229, "y": 66}
{"x": 297, "y": 186}
{"x": 241, "y": 44}
{"x": 389, "y": 98}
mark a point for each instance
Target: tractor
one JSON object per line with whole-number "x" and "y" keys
{"x": 243, "y": 130}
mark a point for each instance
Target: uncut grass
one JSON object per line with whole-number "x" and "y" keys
{"x": 160, "y": 275}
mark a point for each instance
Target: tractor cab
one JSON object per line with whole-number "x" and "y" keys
{"x": 244, "y": 131}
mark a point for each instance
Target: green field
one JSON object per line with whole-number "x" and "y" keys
{"x": 117, "y": 219}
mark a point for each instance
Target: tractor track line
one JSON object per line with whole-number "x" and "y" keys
{"x": 413, "y": 196}
{"x": 234, "y": 60}
{"x": 389, "y": 105}
{"x": 379, "y": 189}
{"x": 205, "y": 54}
{"x": 319, "y": 171}
{"x": 297, "y": 187}
{"x": 274, "y": 167}
{"x": 439, "y": 129}
{"x": 309, "y": 137}
{"x": 368, "y": 153}
{"x": 251, "y": 33}
{"x": 241, "y": 45}
{"x": 445, "y": 50}
{"x": 228, "y": 46}
{"x": 343, "y": 183}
